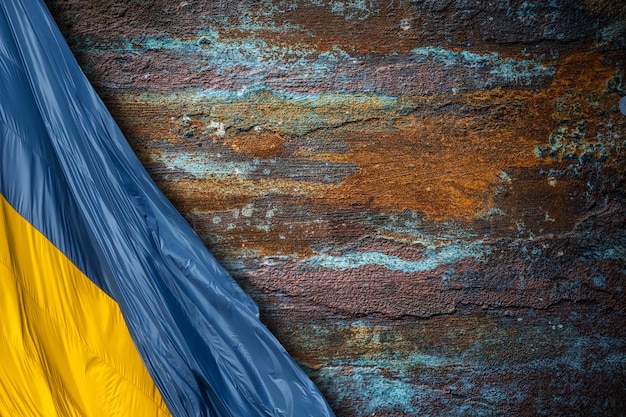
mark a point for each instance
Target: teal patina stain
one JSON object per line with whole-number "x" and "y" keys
{"x": 221, "y": 52}
{"x": 354, "y": 9}
{"x": 433, "y": 258}
{"x": 205, "y": 166}
{"x": 419, "y": 229}
{"x": 522, "y": 71}
{"x": 527, "y": 12}
{"x": 349, "y": 9}
{"x": 492, "y": 213}
{"x": 376, "y": 392}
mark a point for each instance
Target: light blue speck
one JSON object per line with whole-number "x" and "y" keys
{"x": 599, "y": 281}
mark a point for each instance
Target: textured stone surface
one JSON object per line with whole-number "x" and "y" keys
{"x": 426, "y": 198}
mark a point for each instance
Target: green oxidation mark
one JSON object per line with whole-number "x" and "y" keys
{"x": 520, "y": 71}
{"x": 574, "y": 138}
{"x": 570, "y": 143}
{"x": 433, "y": 257}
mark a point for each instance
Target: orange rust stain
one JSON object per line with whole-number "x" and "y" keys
{"x": 443, "y": 166}
{"x": 447, "y": 335}
{"x": 259, "y": 145}
{"x": 583, "y": 72}
{"x": 208, "y": 194}
{"x": 446, "y": 166}
{"x": 139, "y": 118}
{"x": 213, "y": 194}
{"x": 443, "y": 163}
{"x": 326, "y": 30}
{"x": 293, "y": 240}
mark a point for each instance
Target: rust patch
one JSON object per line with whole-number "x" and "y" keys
{"x": 258, "y": 145}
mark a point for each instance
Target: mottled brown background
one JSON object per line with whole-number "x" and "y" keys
{"x": 426, "y": 198}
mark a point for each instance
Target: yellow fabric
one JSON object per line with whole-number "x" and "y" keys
{"x": 64, "y": 346}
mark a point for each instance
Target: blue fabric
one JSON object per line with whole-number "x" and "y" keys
{"x": 66, "y": 167}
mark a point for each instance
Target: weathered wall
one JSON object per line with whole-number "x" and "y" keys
{"x": 426, "y": 198}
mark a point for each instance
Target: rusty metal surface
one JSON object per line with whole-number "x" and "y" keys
{"x": 426, "y": 198}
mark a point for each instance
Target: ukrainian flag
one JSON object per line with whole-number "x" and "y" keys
{"x": 110, "y": 305}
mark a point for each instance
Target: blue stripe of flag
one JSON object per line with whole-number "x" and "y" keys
{"x": 68, "y": 169}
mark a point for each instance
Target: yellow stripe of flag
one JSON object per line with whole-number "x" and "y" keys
{"x": 64, "y": 346}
